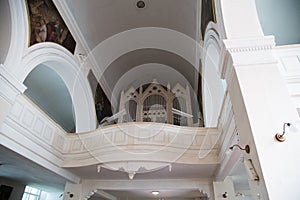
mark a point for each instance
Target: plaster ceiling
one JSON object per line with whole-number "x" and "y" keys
{"x": 181, "y": 71}
{"x": 100, "y": 19}
{"x": 179, "y": 172}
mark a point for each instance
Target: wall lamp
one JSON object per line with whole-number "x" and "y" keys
{"x": 247, "y": 148}
{"x": 280, "y": 136}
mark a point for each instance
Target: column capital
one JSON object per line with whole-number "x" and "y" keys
{"x": 245, "y": 52}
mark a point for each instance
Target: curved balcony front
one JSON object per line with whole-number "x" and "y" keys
{"x": 142, "y": 142}
{"x": 131, "y": 145}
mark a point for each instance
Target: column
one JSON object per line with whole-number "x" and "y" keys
{"x": 261, "y": 106}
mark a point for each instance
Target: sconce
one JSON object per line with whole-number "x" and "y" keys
{"x": 71, "y": 195}
{"x": 247, "y": 148}
{"x": 280, "y": 136}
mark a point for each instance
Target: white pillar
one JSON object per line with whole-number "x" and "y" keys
{"x": 261, "y": 106}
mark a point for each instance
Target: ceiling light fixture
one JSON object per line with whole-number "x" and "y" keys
{"x": 140, "y": 4}
{"x": 155, "y": 193}
{"x": 247, "y": 148}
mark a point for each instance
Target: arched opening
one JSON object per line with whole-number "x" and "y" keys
{"x": 154, "y": 109}
{"x": 131, "y": 108}
{"x": 49, "y": 92}
{"x": 179, "y": 104}
{"x": 213, "y": 87}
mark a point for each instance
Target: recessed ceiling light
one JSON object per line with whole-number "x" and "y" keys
{"x": 155, "y": 193}
{"x": 140, "y": 4}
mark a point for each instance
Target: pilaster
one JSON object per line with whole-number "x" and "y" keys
{"x": 261, "y": 105}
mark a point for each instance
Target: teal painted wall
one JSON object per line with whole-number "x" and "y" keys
{"x": 280, "y": 18}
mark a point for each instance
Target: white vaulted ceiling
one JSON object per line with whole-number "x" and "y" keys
{"x": 100, "y": 19}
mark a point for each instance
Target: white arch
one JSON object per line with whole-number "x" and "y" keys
{"x": 213, "y": 86}
{"x": 21, "y": 60}
{"x": 62, "y": 62}
{"x": 143, "y": 38}
{"x": 240, "y": 19}
{"x": 19, "y": 35}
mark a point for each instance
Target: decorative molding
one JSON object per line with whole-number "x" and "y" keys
{"x": 161, "y": 143}
{"x": 246, "y": 51}
{"x": 92, "y": 186}
{"x": 249, "y": 44}
{"x": 289, "y": 66}
{"x": 40, "y": 128}
{"x": 10, "y": 86}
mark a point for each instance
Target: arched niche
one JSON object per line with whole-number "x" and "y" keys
{"x": 5, "y": 31}
{"x": 213, "y": 87}
{"x": 62, "y": 62}
{"x": 48, "y": 91}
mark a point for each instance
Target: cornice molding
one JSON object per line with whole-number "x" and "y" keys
{"x": 250, "y": 44}
{"x": 244, "y": 52}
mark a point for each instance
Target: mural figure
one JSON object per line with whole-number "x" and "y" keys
{"x": 47, "y": 25}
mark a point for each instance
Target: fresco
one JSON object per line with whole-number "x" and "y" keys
{"x": 46, "y": 25}
{"x": 102, "y": 103}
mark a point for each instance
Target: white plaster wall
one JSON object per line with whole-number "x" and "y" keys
{"x": 4, "y": 108}
{"x": 221, "y": 187}
{"x": 261, "y": 105}
{"x": 288, "y": 57}
{"x": 72, "y": 191}
{"x": 5, "y": 30}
